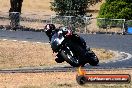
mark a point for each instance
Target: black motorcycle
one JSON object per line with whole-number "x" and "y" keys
{"x": 72, "y": 49}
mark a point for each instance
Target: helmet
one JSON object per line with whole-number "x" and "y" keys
{"x": 49, "y": 28}
{"x": 63, "y": 28}
{"x": 66, "y": 30}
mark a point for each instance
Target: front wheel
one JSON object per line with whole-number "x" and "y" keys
{"x": 70, "y": 58}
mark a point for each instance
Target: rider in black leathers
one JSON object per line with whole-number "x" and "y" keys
{"x": 50, "y": 29}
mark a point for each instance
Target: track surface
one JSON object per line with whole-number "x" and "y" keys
{"x": 121, "y": 43}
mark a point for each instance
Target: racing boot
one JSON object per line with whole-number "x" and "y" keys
{"x": 59, "y": 58}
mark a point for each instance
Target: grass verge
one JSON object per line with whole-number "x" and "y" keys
{"x": 20, "y": 54}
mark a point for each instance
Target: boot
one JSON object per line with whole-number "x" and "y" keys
{"x": 59, "y": 58}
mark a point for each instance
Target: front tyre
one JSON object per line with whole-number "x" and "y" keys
{"x": 70, "y": 58}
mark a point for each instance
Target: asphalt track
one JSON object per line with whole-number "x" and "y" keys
{"x": 120, "y": 43}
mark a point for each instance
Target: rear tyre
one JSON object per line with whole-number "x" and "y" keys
{"x": 93, "y": 59}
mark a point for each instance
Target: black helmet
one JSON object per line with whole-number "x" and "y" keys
{"x": 49, "y": 28}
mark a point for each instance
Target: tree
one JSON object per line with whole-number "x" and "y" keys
{"x": 117, "y": 9}
{"x": 109, "y": 1}
{"x": 72, "y": 7}
{"x": 75, "y": 9}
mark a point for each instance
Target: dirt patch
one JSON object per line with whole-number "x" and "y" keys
{"x": 104, "y": 54}
{"x": 20, "y": 54}
{"x": 56, "y": 80}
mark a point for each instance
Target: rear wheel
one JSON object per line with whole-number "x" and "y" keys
{"x": 93, "y": 59}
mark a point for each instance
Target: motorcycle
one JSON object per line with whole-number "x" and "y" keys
{"x": 73, "y": 49}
